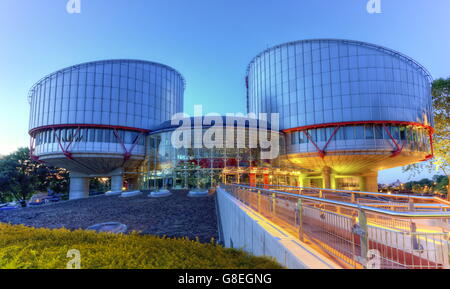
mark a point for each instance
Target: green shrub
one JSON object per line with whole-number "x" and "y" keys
{"x": 23, "y": 247}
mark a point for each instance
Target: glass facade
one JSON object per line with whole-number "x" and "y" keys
{"x": 374, "y": 136}
{"x": 167, "y": 166}
{"x": 329, "y": 81}
{"x": 83, "y": 135}
{"x": 104, "y": 107}
{"x": 128, "y": 93}
{"x": 348, "y": 108}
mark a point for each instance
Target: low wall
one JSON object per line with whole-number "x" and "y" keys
{"x": 243, "y": 228}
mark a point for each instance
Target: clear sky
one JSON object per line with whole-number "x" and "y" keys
{"x": 209, "y": 41}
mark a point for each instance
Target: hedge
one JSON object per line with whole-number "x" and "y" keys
{"x": 29, "y": 248}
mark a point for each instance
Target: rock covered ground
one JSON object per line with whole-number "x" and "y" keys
{"x": 175, "y": 216}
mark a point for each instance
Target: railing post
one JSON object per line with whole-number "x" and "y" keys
{"x": 259, "y": 201}
{"x": 338, "y": 210}
{"x": 300, "y": 219}
{"x": 415, "y": 239}
{"x": 447, "y": 220}
{"x": 411, "y": 204}
{"x": 448, "y": 251}
{"x": 274, "y": 203}
{"x": 364, "y": 234}
{"x": 353, "y": 200}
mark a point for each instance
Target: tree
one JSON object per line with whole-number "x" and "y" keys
{"x": 20, "y": 177}
{"x": 441, "y": 105}
{"x": 5, "y": 196}
{"x": 100, "y": 185}
{"x": 441, "y": 183}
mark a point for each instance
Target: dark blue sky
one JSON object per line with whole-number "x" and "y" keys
{"x": 210, "y": 42}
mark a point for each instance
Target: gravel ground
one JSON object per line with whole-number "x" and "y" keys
{"x": 175, "y": 216}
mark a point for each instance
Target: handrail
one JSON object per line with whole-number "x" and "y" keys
{"x": 360, "y": 192}
{"x": 442, "y": 201}
{"x": 407, "y": 215}
{"x": 349, "y": 231}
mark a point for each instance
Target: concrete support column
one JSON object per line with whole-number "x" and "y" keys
{"x": 117, "y": 180}
{"x": 362, "y": 184}
{"x": 326, "y": 174}
{"x": 301, "y": 181}
{"x": 79, "y": 187}
{"x": 333, "y": 181}
{"x": 116, "y": 183}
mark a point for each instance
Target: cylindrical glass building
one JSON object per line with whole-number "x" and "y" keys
{"x": 348, "y": 108}
{"x": 93, "y": 118}
{"x": 167, "y": 166}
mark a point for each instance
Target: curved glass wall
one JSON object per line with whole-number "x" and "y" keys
{"x": 166, "y": 166}
{"x": 376, "y": 136}
{"x": 328, "y": 81}
{"x": 129, "y": 93}
{"x": 88, "y": 140}
{"x": 99, "y": 135}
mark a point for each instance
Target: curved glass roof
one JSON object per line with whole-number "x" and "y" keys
{"x": 352, "y": 42}
{"x": 84, "y": 64}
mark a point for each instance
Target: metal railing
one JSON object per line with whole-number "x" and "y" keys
{"x": 356, "y": 235}
{"x": 395, "y": 202}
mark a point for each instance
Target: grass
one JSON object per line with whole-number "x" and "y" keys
{"x": 29, "y": 248}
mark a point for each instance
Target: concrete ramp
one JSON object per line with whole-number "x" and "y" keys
{"x": 243, "y": 228}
